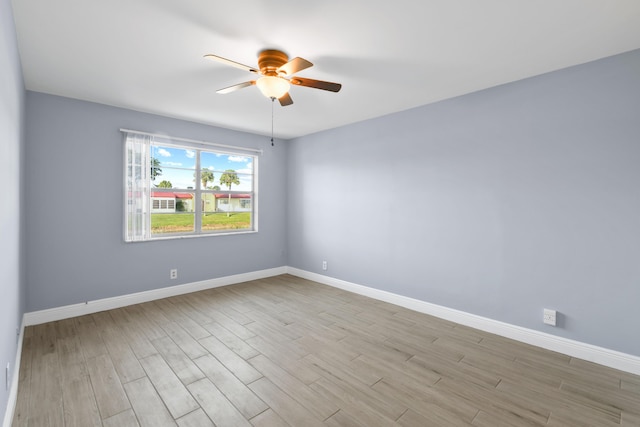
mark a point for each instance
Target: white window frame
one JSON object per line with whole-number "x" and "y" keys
{"x": 138, "y": 187}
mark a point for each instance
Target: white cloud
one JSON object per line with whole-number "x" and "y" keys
{"x": 163, "y": 152}
{"x": 171, "y": 164}
{"x": 190, "y": 154}
{"x": 248, "y": 169}
{"x": 241, "y": 159}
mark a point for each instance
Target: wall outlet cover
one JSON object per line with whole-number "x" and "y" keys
{"x": 549, "y": 317}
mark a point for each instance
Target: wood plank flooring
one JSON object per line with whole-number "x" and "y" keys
{"x": 285, "y": 351}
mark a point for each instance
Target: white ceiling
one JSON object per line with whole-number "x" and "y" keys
{"x": 147, "y": 55}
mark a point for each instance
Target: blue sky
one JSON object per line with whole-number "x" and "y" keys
{"x": 178, "y": 165}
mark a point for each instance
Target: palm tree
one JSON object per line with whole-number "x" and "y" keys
{"x": 155, "y": 168}
{"x": 228, "y": 178}
{"x": 206, "y": 175}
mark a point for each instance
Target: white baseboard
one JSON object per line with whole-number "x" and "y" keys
{"x": 89, "y": 307}
{"x": 603, "y": 356}
{"x": 68, "y": 311}
{"x": 13, "y": 391}
{"x": 600, "y": 355}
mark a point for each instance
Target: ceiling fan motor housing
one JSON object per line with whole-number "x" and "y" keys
{"x": 270, "y": 60}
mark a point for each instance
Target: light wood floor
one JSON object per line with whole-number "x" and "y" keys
{"x": 289, "y": 352}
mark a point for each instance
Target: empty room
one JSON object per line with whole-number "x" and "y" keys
{"x": 358, "y": 213}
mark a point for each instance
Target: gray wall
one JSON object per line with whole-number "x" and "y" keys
{"x": 75, "y": 250}
{"x": 498, "y": 203}
{"x": 11, "y": 143}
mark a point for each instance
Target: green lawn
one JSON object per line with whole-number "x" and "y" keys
{"x": 183, "y": 222}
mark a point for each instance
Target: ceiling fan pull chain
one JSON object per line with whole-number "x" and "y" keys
{"x": 272, "y": 102}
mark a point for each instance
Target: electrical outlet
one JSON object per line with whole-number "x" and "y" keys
{"x": 324, "y": 265}
{"x": 173, "y": 273}
{"x": 549, "y": 317}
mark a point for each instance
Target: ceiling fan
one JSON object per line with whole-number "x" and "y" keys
{"x": 277, "y": 75}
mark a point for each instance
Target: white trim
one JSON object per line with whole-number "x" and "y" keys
{"x": 603, "y": 356}
{"x": 611, "y": 358}
{"x": 65, "y": 312}
{"x": 13, "y": 391}
{"x": 233, "y": 149}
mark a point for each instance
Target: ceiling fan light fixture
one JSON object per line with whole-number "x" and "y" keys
{"x": 273, "y": 86}
{"x": 277, "y": 75}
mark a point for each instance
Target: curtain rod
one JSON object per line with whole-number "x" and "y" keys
{"x": 194, "y": 141}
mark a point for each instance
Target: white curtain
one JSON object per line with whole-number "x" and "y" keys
{"x": 137, "y": 184}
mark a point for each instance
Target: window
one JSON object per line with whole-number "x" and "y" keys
{"x": 177, "y": 187}
{"x": 166, "y": 204}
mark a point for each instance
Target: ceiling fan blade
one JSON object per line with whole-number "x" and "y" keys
{"x": 236, "y": 87}
{"x": 285, "y": 100}
{"x": 295, "y": 65}
{"x": 317, "y": 84}
{"x": 232, "y": 63}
